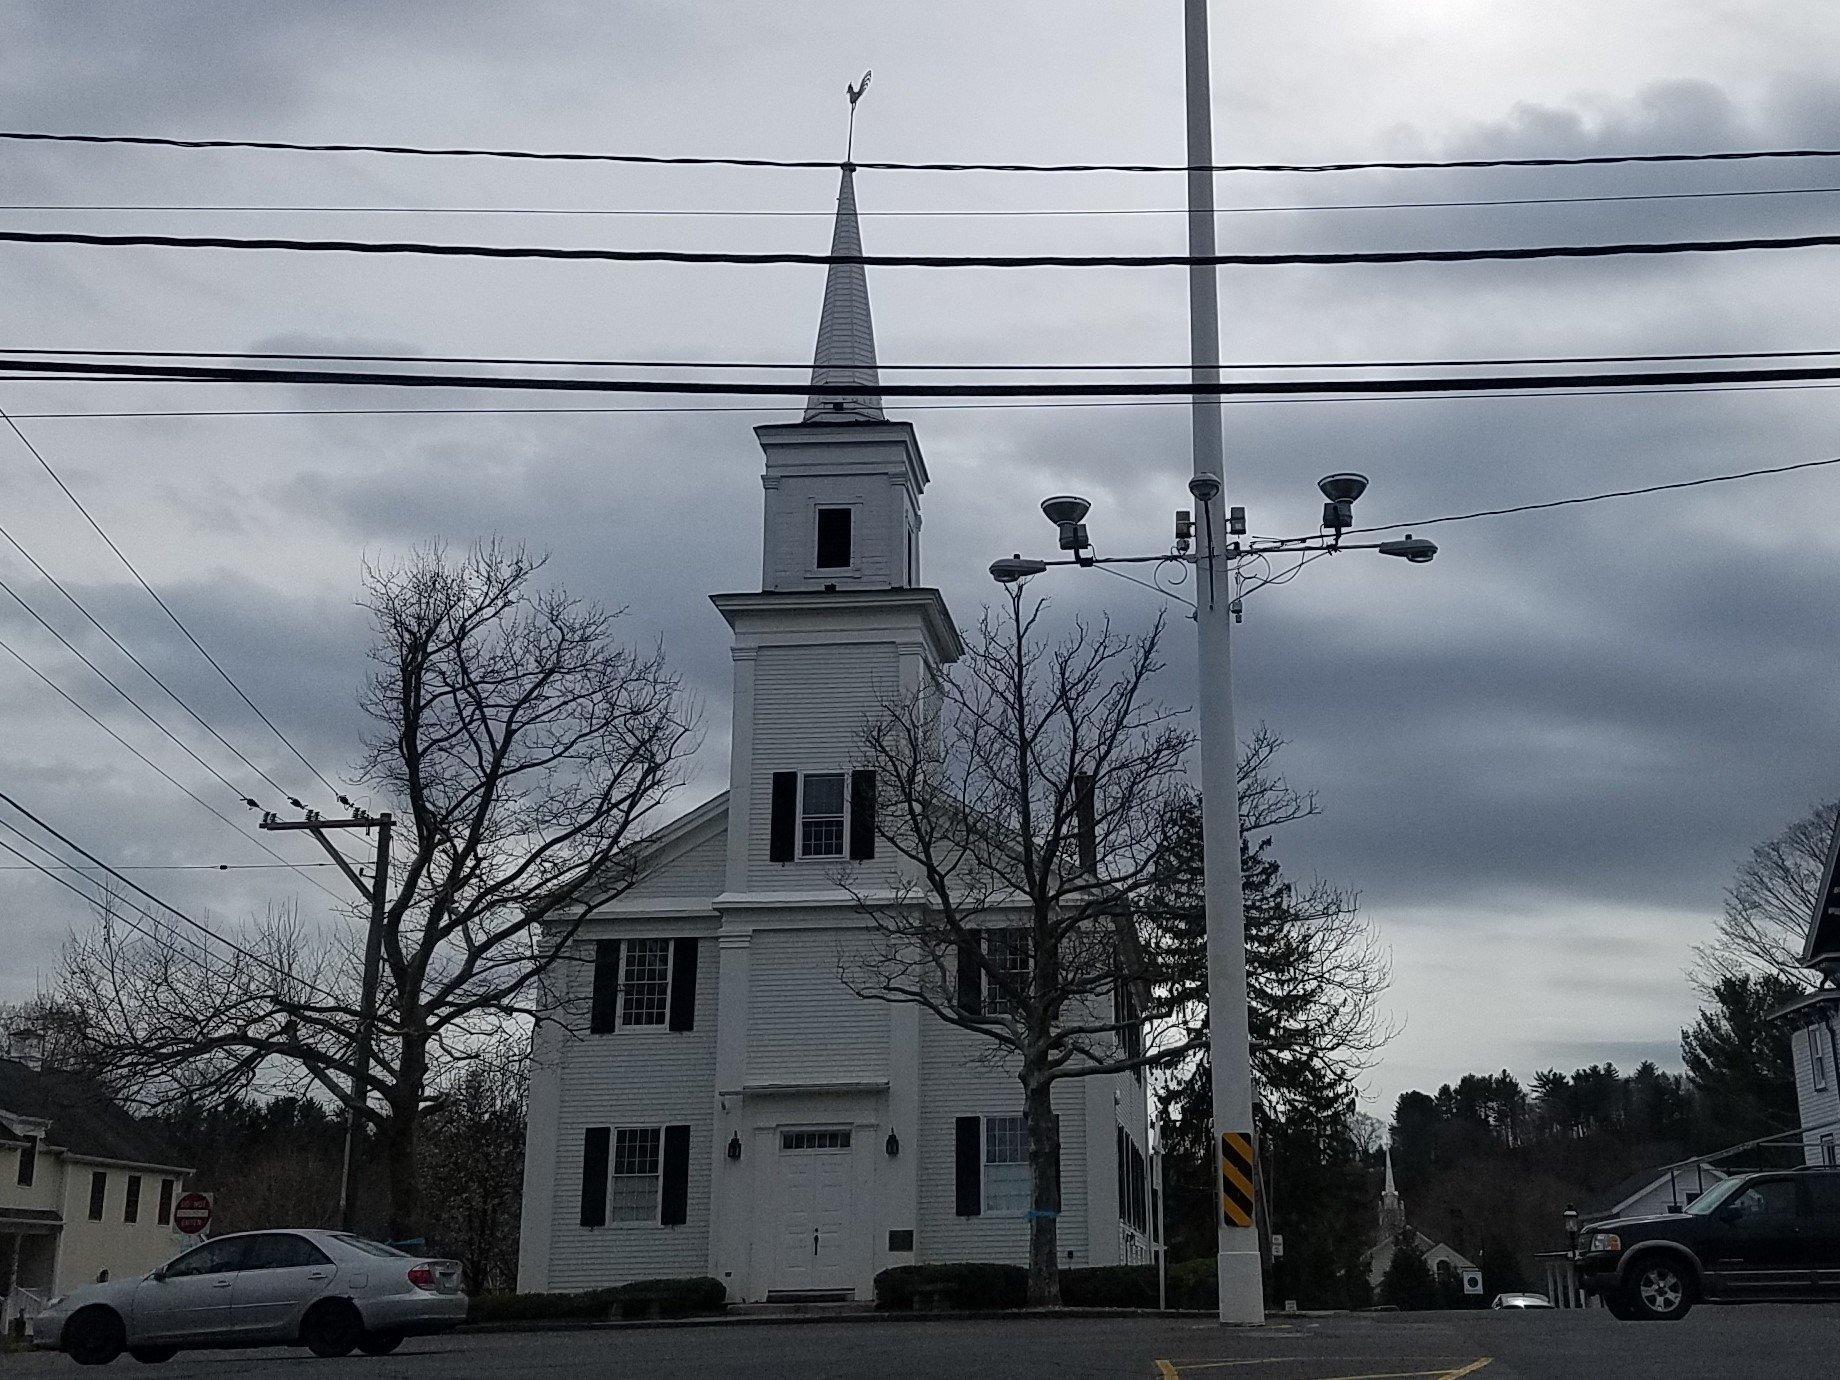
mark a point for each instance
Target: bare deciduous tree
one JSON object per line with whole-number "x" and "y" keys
{"x": 1769, "y": 907}
{"x": 524, "y": 749}
{"x": 1022, "y": 799}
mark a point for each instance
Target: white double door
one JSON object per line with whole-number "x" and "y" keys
{"x": 820, "y": 1239}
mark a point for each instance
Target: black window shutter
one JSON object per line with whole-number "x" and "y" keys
{"x": 785, "y": 816}
{"x": 683, "y": 984}
{"x": 970, "y": 977}
{"x": 970, "y": 1147}
{"x": 602, "y": 1016}
{"x": 862, "y": 815}
{"x": 594, "y": 1146}
{"x": 1124, "y": 1177}
{"x": 674, "y": 1205}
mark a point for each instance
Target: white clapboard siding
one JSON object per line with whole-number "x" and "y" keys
{"x": 957, "y": 1079}
{"x": 1820, "y": 1107}
{"x": 810, "y": 705}
{"x": 635, "y": 1078}
{"x": 696, "y": 874}
{"x": 804, "y": 1024}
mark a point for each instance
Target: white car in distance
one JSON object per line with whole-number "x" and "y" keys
{"x": 1521, "y": 1301}
{"x": 328, "y": 1291}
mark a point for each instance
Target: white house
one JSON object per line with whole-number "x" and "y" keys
{"x": 722, "y": 1103}
{"x": 1812, "y": 1021}
{"x": 84, "y": 1187}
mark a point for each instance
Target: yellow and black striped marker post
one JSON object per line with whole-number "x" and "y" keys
{"x": 1236, "y": 1178}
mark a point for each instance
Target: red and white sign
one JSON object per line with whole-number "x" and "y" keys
{"x": 192, "y": 1213}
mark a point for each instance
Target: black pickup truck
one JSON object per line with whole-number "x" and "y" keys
{"x": 1755, "y": 1237}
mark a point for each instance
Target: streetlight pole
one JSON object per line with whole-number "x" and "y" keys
{"x": 1242, "y": 1288}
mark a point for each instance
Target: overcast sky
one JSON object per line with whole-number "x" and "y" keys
{"x": 1538, "y": 758}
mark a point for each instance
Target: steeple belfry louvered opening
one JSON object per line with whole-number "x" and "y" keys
{"x": 845, "y": 353}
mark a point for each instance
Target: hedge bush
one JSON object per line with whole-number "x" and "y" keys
{"x": 969, "y": 1286}
{"x": 668, "y": 1298}
{"x": 1193, "y": 1284}
{"x": 1109, "y": 1286}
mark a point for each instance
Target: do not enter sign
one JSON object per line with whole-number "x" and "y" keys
{"x": 192, "y": 1213}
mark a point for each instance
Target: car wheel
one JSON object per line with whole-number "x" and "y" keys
{"x": 380, "y": 1343}
{"x": 153, "y": 1355}
{"x": 1659, "y": 1289}
{"x": 1616, "y": 1304}
{"x": 95, "y": 1336}
{"x": 332, "y": 1329}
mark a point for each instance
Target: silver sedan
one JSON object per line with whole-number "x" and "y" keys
{"x": 328, "y": 1291}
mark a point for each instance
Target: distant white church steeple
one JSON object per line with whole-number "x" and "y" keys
{"x": 846, "y": 336}
{"x": 1392, "y": 1207}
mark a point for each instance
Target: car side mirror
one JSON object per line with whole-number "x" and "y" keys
{"x": 158, "y": 1275}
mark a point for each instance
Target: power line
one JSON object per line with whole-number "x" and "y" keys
{"x": 171, "y": 909}
{"x": 701, "y": 256}
{"x": 171, "y": 867}
{"x": 166, "y": 608}
{"x": 160, "y": 771}
{"x": 1601, "y": 497}
{"x": 805, "y": 366}
{"x": 1032, "y": 389}
{"x": 948, "y": 213}
{"x": 670, "y": 160}
{"x": 171, "y": 694}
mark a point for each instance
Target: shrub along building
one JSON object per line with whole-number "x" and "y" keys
{"x": 718, "y": 1101}
{"x": 84, "y": 1187}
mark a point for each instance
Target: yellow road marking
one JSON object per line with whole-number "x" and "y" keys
{"x": 1165, "y": 1371}
{"x": 1470, "y": 1369}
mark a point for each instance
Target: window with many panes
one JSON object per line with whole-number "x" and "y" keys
{"x": 821, "y": 814}
{"x": 1008, "y": 951}
{"x": 815, "y": 1140}
{"x": 645, "y": 981}
{"x": 1006, "y": 1165}
{"x": 632, "y": 1192}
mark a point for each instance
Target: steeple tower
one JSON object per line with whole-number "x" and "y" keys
{"x": 846, "y": 335}
{"x": 1392, "y": 1208}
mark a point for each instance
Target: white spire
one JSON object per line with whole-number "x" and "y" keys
{"x": 846, "y": 336}
{"x": 1390, "y": 1191}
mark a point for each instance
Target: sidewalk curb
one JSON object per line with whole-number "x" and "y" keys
{"x": 864, "y": 1317}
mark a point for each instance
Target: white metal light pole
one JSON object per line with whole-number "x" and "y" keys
{"x": 1242, "y": 1291}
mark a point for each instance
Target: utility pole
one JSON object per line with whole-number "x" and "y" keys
{"x": 376, "y": 891}
{"x": 1242, "y": 1289}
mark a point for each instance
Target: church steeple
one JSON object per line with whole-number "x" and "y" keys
{"x": 846, "y": 337}
{"x": 1392, "y": 1207}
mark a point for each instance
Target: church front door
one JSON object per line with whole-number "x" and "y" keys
{"x": 816, "y": 1199}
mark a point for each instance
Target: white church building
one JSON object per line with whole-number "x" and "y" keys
{"x": 722, "y": 1104}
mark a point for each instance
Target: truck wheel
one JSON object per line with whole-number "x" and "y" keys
{"x": 1616, "y": 1304}
{"x": 1659, "y": 1289}
{"x": 332, "y": 1329}
{"x": 380, "y": 1343}
{"x": 95, "y": 1336}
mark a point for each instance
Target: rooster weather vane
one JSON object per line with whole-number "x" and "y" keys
{"x": 856, "y": 94}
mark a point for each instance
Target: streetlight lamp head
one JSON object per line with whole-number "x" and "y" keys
{"x": 1415, "y": 549}
{"x": 1063, "y": 509}
{"x": 1205, "y": 488}
{"x": 1345, "y": 487}
{"x": 1013, "y": 569}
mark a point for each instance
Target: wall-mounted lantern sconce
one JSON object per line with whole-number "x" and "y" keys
{"x": 734, "y": 1147}
{"x": 893, "y": 1145}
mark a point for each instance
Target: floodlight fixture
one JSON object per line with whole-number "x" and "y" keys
{"x": 1343, "y": 487}
{"x": 1014, "y": 569}
{"x": 1415, "y": 549}
{"x": 1063, "y": 509}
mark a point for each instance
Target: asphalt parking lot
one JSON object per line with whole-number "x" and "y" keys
{"x": 1782, "y": 1343}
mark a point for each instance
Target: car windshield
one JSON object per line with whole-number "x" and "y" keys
{"x": 359, "y": 1243}
{"x": 1708, "y": 1202}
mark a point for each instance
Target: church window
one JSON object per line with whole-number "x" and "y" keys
{"x": 1006, "y": 1165}
{"x": 821, "y": 812}
{"x": 645, "y": 985}
{"x": 1817, "y": 1053}
{"x": 1009, "y": 953}
{"x": 833, "y": 538}
{"x": 633, "y": 1190}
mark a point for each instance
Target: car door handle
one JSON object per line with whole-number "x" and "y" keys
{"x": 220, "y": 1284}
{"x": 319, "y": 1274}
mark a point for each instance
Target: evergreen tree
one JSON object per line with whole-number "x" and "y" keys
{"x": 1739, "y": 1061}
{"x": 1408, "y": 1284}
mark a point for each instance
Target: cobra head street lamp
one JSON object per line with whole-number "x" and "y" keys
{"x": 1415, "y": 549}
{"x": 1341, "y": 490}
{"x": 1068, "y": 512}
{"x": 1014, "y": 569}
